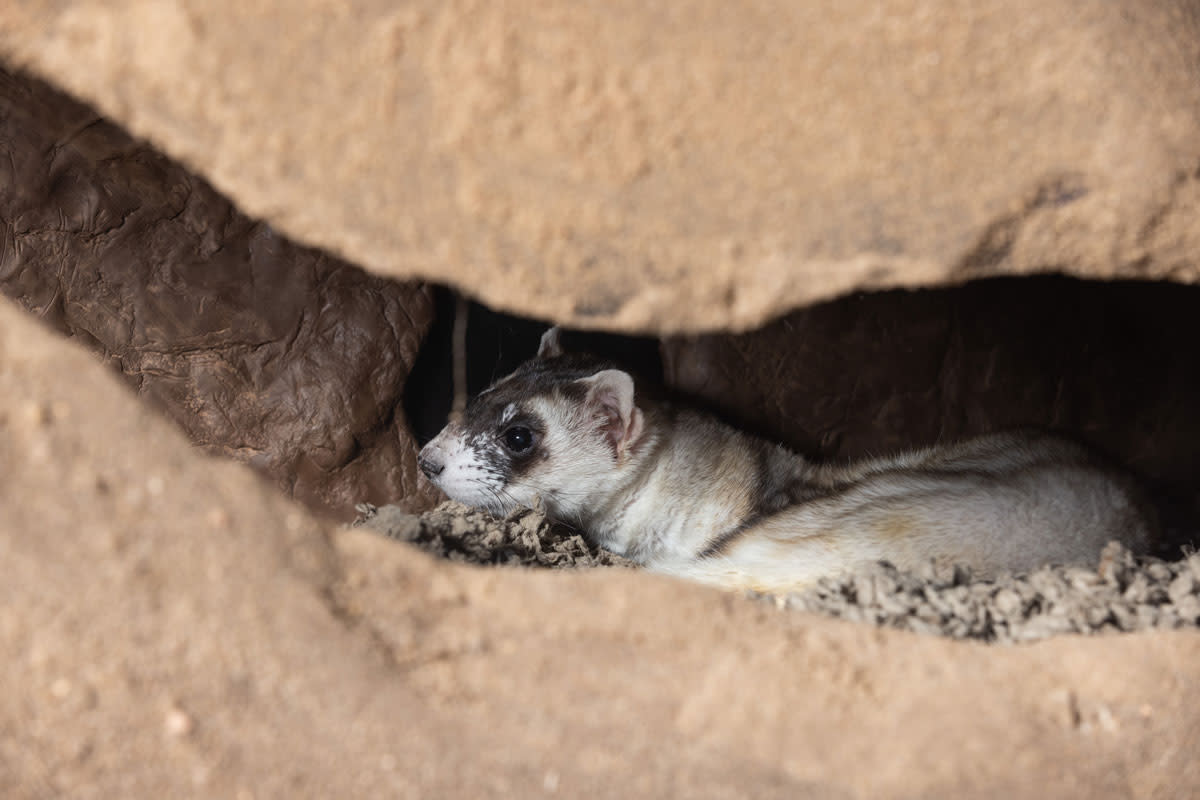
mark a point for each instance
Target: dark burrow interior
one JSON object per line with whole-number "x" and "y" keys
{"x": 1109, "y": 364}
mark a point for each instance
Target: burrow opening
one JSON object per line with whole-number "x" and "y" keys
{"x": 326, "y": 378}
{"x": 1105, "y": 363}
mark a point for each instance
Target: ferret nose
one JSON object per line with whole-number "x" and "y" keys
{"x": 430, "y": 465}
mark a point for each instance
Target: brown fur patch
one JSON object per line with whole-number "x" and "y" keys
{"x": 896, "y": 527}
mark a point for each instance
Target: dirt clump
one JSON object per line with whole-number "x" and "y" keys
{"x": 1122, "y": 593}
{"x": 459, "y": 533}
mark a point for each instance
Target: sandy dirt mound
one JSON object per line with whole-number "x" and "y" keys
{"x": 174, "y": 628}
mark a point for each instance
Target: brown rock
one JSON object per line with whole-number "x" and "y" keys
{"x": 273, "y": 353}
{"x": 704, "y": 166}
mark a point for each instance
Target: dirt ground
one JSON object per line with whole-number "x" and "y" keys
{"x": 176, "y": 628}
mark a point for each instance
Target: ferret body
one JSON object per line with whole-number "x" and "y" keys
{"x": 681, "y": 493}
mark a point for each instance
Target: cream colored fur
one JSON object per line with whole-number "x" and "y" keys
{"x": 683, "y": 494}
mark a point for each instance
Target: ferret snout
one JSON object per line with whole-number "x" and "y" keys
{"x": 430, "y": 462}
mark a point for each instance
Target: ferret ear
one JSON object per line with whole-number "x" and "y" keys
{"x": 610, "y": 399}
{"x": 551, "y": 345}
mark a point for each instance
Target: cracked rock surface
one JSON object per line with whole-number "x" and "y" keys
{"x": 263, "y": 350}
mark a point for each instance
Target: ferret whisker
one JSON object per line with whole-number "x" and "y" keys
{"x": 501, "y": 507}
{"x": 495, "y": 505}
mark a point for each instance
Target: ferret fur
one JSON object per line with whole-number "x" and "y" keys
{"x": 681, "y": 493}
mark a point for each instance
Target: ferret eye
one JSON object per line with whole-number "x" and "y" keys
{"x": 518, "y": 438}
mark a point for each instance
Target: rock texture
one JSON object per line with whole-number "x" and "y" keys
{"x": 174, "y": 628}
{"x": 694, "y": 167}
{"x": 273, "y": 353}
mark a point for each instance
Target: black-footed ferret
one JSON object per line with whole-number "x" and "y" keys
{"x": 681, "y": 493}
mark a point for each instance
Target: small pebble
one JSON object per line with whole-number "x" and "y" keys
{"x": 177, "y": 723}
{"x": 1182, "y": 586}
{"x": 1008, "y": 603}
{"x": 36, "y": 414}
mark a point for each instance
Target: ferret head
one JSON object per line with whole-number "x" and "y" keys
{"x": 561, "y": 428}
